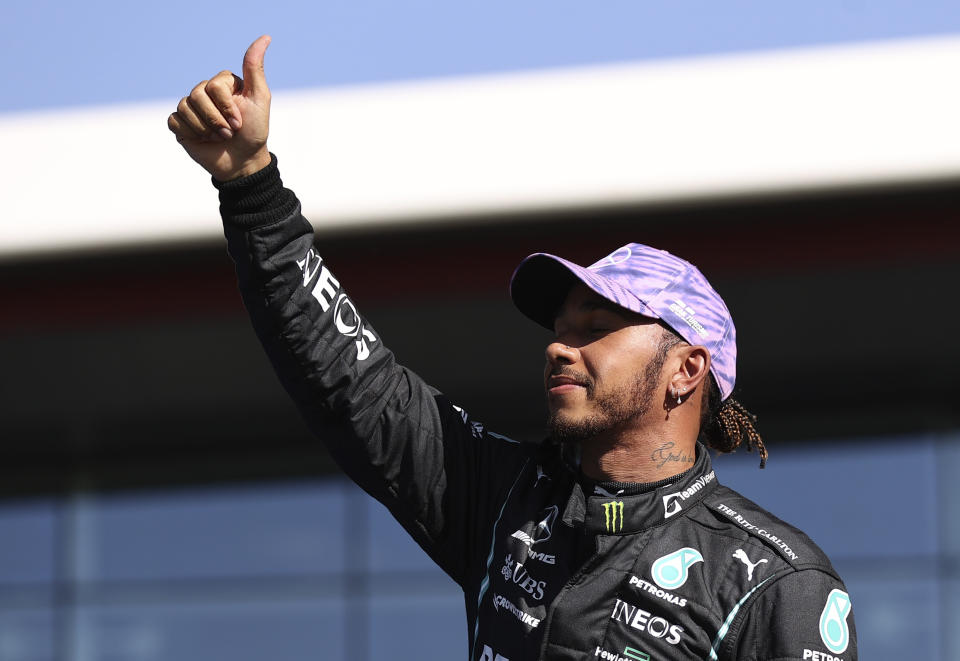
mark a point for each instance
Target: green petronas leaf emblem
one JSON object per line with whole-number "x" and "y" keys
{"x": 833, "y": 622}
{"x": 671, "y": 570}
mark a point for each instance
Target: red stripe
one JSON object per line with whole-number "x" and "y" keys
{"x": 474, "y": 262}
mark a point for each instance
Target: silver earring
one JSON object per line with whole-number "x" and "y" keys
{"x": 678, "y": 399}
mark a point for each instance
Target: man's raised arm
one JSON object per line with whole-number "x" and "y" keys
{"x": 399, "y": 439}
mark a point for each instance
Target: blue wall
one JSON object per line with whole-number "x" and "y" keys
{"x": 318, "y": 570}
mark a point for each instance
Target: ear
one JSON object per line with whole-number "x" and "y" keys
{"x": 693, "y": 370}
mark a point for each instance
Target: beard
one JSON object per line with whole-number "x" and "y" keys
{"x": 611, "y": 409}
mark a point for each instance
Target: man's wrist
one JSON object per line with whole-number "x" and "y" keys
{"x": 257, "y": 199}
{"x": 258, "y": 162}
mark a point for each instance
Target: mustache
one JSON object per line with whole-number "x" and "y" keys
{"x": 580, "y": 378}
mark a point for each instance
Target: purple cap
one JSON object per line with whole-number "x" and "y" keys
{"x": 646, "y": 280}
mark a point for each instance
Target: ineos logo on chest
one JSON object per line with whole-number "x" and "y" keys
{"x": 642, "y": 620}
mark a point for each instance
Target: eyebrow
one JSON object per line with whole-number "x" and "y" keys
{"x": 603, "y": 304}
{"x": 599, "y": 304}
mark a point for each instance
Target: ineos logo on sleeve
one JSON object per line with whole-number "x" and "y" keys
{"x": 351, "y": 325}
{"x": 345, "y": 316}
{"x": 310, "y": 264}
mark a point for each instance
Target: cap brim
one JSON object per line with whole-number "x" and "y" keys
{"x": 542, "y": 281}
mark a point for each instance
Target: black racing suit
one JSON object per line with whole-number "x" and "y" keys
{"x": 550, "y": 568}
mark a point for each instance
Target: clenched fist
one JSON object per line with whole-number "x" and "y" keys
{"x": 223, "y": 123}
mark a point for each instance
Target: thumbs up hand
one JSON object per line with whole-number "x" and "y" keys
{"x": 224, "y": 122}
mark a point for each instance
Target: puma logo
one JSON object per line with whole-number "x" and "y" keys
{"x": 600, "y": 491}
{"x": 741, "y": 555}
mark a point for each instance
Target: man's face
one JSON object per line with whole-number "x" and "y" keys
{"x": 602, "y": 370}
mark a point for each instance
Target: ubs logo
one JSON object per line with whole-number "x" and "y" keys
{"x": 514, "y": 571}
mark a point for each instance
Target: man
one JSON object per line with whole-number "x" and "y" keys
{"x": 631, "y": 550}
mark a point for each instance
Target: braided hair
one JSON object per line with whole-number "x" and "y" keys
{"x": 724, "y": 425}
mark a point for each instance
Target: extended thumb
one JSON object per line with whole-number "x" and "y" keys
{"x": 254, "y": 78}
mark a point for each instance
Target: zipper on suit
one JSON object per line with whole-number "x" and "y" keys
{"x": 584, "y": 568}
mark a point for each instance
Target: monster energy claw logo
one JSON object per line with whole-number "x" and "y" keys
{"x": 611, "y": 511}
{"x": 833, "y": 622}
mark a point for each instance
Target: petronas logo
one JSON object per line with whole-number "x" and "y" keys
{"x": 833, "y": 622}
{"x": 671, "y": 571}
{"x": 613, "y": 515}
